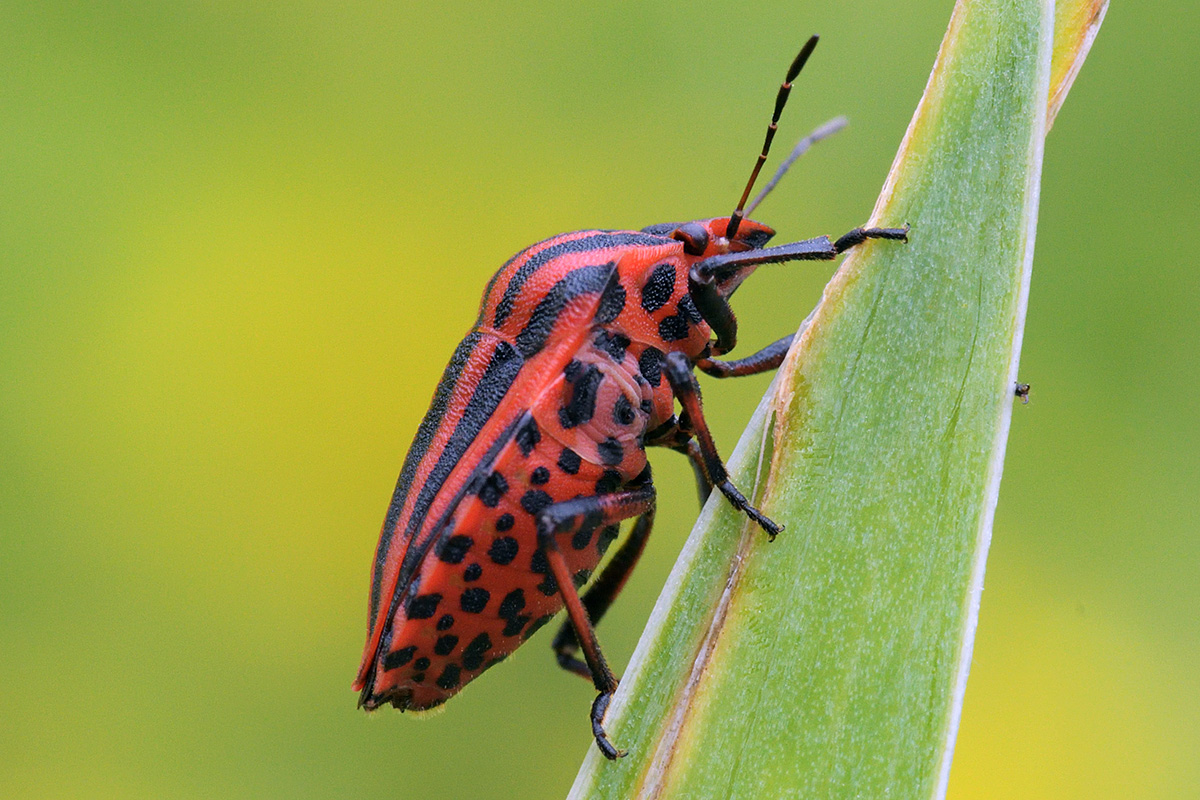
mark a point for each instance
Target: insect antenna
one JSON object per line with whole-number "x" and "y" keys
{"x": 821, "y": 132}
{"x": 780, "y": 101}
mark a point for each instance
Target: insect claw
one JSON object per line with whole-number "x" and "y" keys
{"x": 769, "y": 525}
{"x": 599, "y": 707}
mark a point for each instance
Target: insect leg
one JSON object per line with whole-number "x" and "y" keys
{"x": 601, "y": 594}
{"x": 764, "y": 360}
{"x": 722, "y": 267}
{"x": 716, "y": 312}
{"x": 687, "y": 391}
{"x": 559, "y": 518}
{"x": 705, "y": 277}
{"x": 704, "y": 484}
{"x": 860, "y": 235}
{"x": 673, "y": 436}
{"x": 714, "y": 308}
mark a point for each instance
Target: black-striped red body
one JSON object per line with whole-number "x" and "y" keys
{"x": 534, "y": 447}
{"x": 553, "y": 395}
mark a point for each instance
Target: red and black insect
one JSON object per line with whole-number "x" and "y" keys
{"x": 534, "y": 447}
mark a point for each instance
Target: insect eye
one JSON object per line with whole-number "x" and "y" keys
{"x": 694, "y": 237}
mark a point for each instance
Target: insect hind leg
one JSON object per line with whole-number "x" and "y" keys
{"x": 601, "y": 594}
{"x": 557, "y": 519}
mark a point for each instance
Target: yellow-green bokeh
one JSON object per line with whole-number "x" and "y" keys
{"x": 237, "y": 246}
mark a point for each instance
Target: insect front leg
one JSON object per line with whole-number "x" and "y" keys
{"x": 560, "y": 518}
{"x": 860, "y": 235}
{"x": 714, "y": 309}
{"x": 705, "y": 277}
{"x": 687, "y": 391}
{"x": 716, "y": 312}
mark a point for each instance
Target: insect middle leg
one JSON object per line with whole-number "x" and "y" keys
{"x": 558, "y": 519}
{"x": 673, "y": 436}
{"x": 687, "y": 391}
{"x": 764, "y": 360}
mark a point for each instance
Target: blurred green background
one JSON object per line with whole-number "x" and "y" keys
{"x": 237, "y": 246}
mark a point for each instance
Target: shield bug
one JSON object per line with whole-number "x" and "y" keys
{"x": 534, "y": 446}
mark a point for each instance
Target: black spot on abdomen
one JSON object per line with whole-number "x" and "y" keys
{"x": 449, "y": 677}
{"x": 493, "y": 490}
{"x": 535, "y": 500}
{"x": 609, "y": 482}
{"x": 398, "y": 658}
{"x": 510, "y": 611}
{"x": 541, "y": 565}
{"x": 607, "y": 537}
{"x": 512, "y": 604}
{"x": 528, "y": 436}
{"x": 474, "y": 600}
{"x": 623, "y": 411}
{"x": 503, "y": 550}
{"x": 423, "y": 606}
{"x": 473, "y": 653}
{"x": 611, "y": 452}
{"x": 569, "y": 461}
{"x": 454, "y": 549}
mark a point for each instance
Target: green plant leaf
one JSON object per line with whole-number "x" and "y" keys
{"x": 1076, "y": 23}
{"x": 832, "y": 662}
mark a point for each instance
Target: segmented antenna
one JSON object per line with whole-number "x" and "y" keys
{"x": 828, "y": 129}
{"x": 780, "y": 101}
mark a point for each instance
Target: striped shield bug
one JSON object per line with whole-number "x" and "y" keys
{"x": 534, "y": 446}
